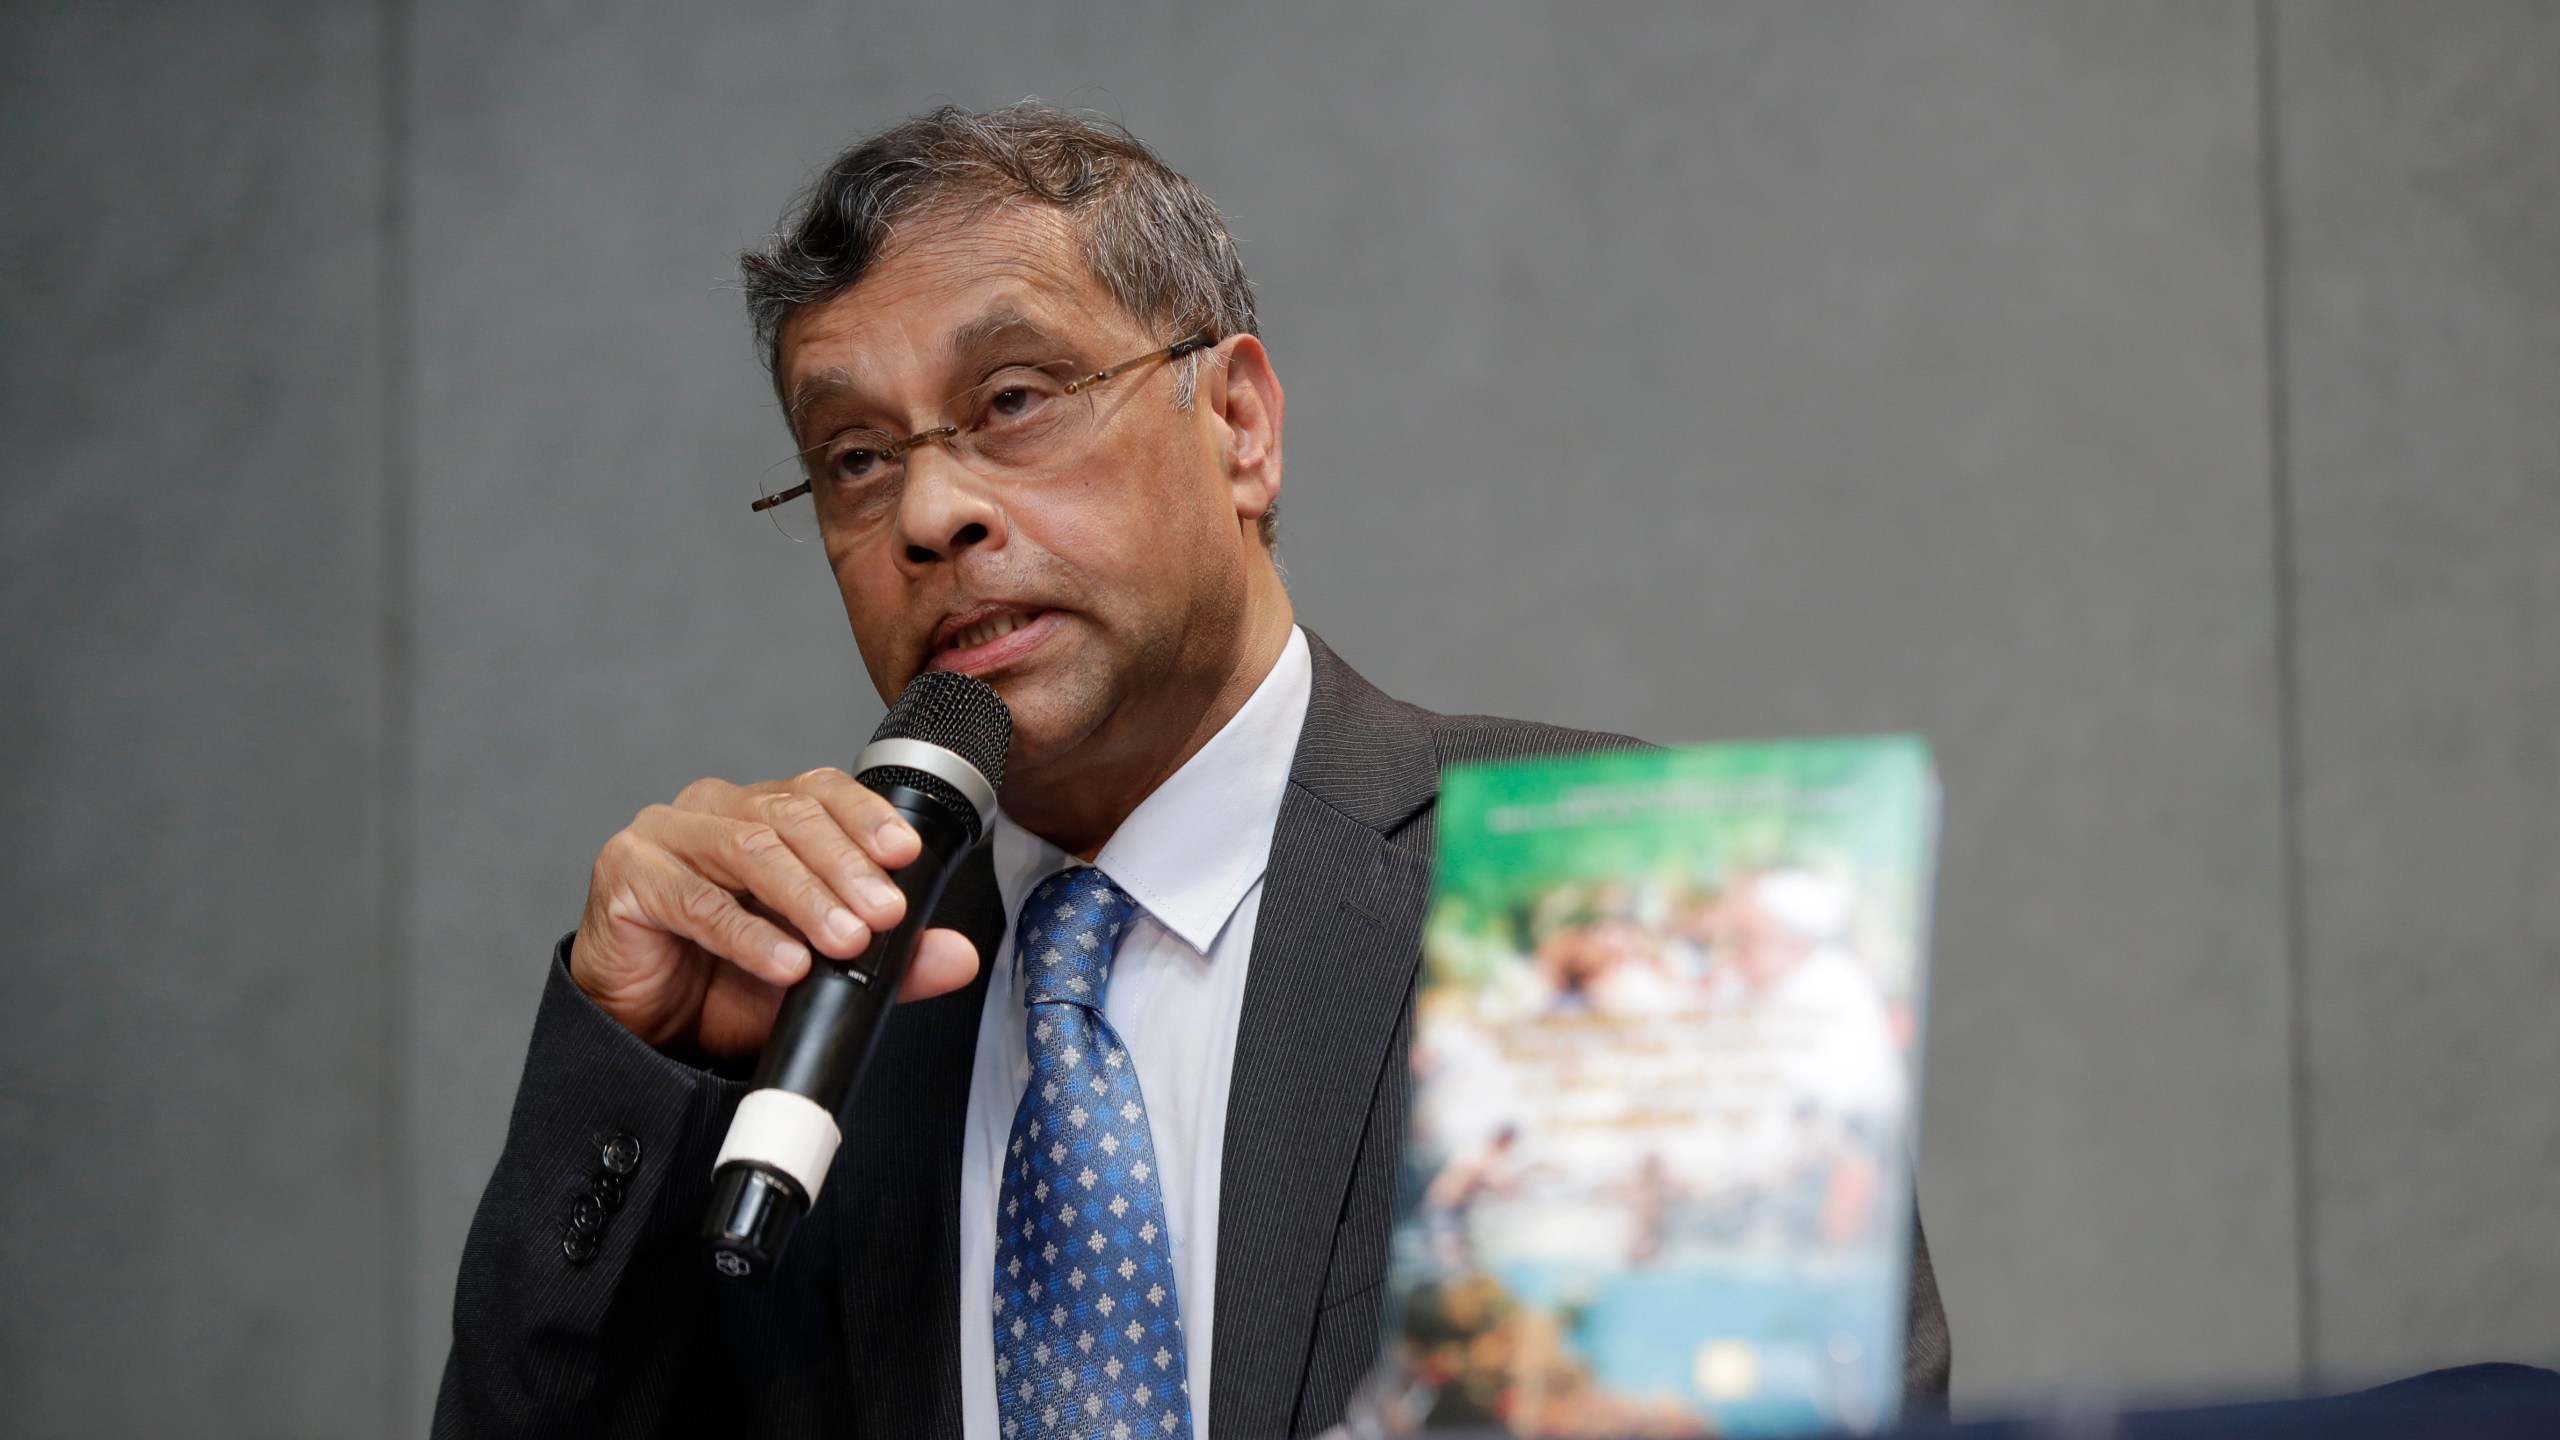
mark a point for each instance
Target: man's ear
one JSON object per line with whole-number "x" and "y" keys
{"x": 1244, "y": 395}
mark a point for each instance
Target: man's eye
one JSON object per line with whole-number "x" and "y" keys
{"x": 1013, "y": 402}
{"x": 860, "y": 463}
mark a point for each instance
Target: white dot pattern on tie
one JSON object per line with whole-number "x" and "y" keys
{"x": 1088, "y": 1323}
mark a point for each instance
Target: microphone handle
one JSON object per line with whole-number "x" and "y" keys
{"x": 822, "y": 1039}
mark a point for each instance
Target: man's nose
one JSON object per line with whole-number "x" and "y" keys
{"x": 945, "y": 508}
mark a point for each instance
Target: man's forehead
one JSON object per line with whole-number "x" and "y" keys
{"x": 828, "y": 360}
{"x": 944, "y": 290}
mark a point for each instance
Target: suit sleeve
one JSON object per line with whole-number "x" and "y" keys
{"x": 581, "y": 1304}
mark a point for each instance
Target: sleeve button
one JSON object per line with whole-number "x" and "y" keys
{"x": 620, "y": 1153}
{"x": 578, "y": 1249}
{"x": 609, "y": 1190}
{"x": 585, "y": 1217}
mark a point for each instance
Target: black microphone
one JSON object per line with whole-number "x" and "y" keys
{"x": 937, "y": 758}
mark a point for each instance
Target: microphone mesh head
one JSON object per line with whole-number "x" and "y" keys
{"x": 960, "y": 713}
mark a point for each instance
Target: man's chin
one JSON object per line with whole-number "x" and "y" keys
{"x": 1040, "y": 745}
{"x": 1053, "y": 726}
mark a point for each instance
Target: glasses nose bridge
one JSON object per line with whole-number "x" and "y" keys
{"x": 947, "y": 436}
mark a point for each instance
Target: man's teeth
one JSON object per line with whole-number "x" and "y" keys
{"x": 987, "y": 631}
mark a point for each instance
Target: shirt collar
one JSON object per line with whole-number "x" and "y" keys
{"x": 1193, "y": 848}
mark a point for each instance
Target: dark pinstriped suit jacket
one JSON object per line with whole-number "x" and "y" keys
{"x": 858, "y": 1335}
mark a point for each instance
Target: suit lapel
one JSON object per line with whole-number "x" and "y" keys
{"x": 1333, "y": 959}
{"x": 1334, "y": 956}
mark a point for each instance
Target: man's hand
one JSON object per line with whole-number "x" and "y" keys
{"x": 685, "y": 940}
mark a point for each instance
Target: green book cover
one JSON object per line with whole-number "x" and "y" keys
{"x": 1665, "y": 1063}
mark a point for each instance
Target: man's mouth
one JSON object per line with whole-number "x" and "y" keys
{"x": 984, "y": 637}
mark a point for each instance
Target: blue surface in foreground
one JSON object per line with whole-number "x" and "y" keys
{"x": 1824, "y": 1348}
{"x": 2474, "y": 1402}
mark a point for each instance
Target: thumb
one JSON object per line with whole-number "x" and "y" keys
{"x": 945, "y": 961}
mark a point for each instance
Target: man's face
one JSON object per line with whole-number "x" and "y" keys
{"x": 1082, "y": 597}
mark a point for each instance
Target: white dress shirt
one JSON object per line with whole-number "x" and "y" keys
{"x": 1192, "y": 856}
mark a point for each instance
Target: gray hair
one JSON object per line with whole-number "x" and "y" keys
{"x": 1150, "y": 237}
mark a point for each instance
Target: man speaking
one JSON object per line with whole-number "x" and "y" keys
{"x": 1042, "y": 447}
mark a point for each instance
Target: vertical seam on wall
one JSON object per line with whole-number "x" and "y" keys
{"x": 2288, "y": 697}
{"x": 395, "y": 781}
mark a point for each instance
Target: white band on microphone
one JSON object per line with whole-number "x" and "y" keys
{"x": 792, "y": 1133}
{"x": 937, "y": 762}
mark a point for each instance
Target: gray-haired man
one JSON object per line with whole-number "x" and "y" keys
{"x": 1043, "y": 446}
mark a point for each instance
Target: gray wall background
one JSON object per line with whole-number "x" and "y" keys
{"x": 2154, "y": 406}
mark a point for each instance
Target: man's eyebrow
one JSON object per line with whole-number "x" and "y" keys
{"x": 994, "y": 328}
{"x": 815, "y": 390}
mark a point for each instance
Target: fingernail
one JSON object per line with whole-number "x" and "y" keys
{"x": 889, "y": 832}
{"x": 789, "y": 952}
{"x": 879, "y": 893}
{"x": 841, "y": 926}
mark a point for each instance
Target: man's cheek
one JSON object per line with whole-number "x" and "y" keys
{"x": 890, "y": 643}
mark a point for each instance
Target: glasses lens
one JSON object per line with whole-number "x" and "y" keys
{"x": 797, "y": 517}
{"x": 1024, "y": 422}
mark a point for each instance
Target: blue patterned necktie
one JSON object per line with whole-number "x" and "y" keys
{"x": 1088, "y": 1328}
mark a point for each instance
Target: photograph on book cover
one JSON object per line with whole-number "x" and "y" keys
{"x": 1665, "y": 1063}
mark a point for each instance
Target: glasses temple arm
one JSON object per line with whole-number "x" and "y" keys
{"x": 769, "y": 501}
{"x": 1198, "y": 340}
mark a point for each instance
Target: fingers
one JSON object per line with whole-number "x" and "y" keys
{"x": 685, "y": 904}
{"x": 841, "y": 830}
{"x": 737, "y": 1014}
{"x": 860, "y": 812}
{"x": 732, "y": 871}
{"x": 944, "y": 961}
{"x": 751, "y": 857}
{"x": 848, "y": 836}
{"x": 819, "y": 842}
